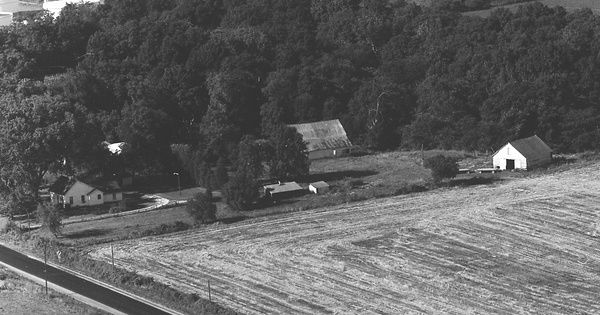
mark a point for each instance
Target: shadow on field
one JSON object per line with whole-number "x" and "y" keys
{"x": 232, "y": 220}
{"x": 334, "y": 176}
{"x": 477, "y": 180}
{"x": 87, "y": 233}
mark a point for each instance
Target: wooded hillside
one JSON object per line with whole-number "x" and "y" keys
{"x": 208, "y": 72}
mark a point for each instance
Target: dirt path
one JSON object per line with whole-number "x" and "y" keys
{"x": 524, "y": 246}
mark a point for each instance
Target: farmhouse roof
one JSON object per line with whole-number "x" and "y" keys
{"x": 108, "y": 186}
{"x": 322, "y": 135}
{"x": 531, "y": 147}
{"x": 62, "y": 185}
{"x": 283, "y": 187}
{"x": 319, "y": 184}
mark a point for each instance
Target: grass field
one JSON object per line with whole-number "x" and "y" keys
{"x": 569, "y": 5}
{"x": 522, "y": 246}
{"x": 22, "y": 297}
{"x": 351, "y": 179}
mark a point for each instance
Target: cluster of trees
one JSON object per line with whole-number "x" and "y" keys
{"x": 211, "y": 73}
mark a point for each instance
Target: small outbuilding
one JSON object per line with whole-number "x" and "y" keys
{"x": 320, "y": 187}
{"x": 324, "y": 139}
{"x": 283, "y": 190}
{"x": 523, "y": 154}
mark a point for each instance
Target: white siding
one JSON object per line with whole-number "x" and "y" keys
{"x": 508, "y": 152}
{"x": 78, "y": 190}
{"x": 113, "y": 197}
{"x": 96, "y": 197}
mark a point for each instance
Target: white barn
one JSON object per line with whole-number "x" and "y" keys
{"x": 527, "y": 153}
{"x": 324, "y": 139}
{"x": 71, "y": 192}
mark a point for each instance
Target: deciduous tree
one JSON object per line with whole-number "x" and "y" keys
{"x": 441, "y": 167}
{"x": 50, "y": 218}
{"x": 201, "y": 208}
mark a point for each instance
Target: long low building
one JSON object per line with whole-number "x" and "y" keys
{"x": 283, "y": 190}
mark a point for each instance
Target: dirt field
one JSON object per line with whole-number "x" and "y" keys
{"x": 523, "y": 246}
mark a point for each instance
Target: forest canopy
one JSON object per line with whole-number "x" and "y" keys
{"x": 208, "y": 73}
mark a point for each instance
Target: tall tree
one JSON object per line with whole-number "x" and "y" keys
{"x": 38, "y": 133}
{"x": 289, "y": 155}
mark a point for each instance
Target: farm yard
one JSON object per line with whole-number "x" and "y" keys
{"x": 521, "y": 246}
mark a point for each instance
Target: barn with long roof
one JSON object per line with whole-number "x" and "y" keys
{"x": 324, "y": 139}
{"x": 527, "y": 153}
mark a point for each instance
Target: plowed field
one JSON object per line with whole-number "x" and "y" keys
{"x": 524, "y": 246}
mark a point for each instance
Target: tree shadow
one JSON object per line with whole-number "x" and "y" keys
{"x": 472, "y": 181}
{"x": 232, "y": 220}
{"x": 335, "y": 176}
{"x": 87, "y": 233}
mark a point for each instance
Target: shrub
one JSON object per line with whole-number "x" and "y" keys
{"x": 441, "y": 167}
{"x": 50, "y": 217}
{"x": 201, "y": 208}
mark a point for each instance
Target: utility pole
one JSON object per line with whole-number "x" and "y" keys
{"x": 178, "y": 183}
{"x": 112, "y": 256}
{"x": 46, "y": 267}
{"x": 209, "y": 296}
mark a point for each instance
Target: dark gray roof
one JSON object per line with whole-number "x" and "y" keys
{"x": 283, "y": 187}
{"x": 531, "y": 147}
{"x": 62, "y": 185}
{"x": 323, "y": 135}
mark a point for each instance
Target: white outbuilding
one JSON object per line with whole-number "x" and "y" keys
{"x": 320, "y": 187}
{"x": 523, "y": 154}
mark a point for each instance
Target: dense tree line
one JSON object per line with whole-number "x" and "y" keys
{"x": 210, "y": 73}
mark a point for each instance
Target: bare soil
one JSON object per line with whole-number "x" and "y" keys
{"x": 522, "y": 246}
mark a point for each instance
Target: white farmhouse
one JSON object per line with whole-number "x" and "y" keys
{"x": 523, "y": 154}
{"x": 71, "y": 192}
{"x": 324, "y": 139}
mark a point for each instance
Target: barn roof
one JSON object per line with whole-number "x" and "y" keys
{"x": 322, "y": 135}
{"x": 283, "y": 187}
{"x": 531, "y": 147}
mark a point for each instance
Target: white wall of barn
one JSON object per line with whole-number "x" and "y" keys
{"x": 508, "y": 152}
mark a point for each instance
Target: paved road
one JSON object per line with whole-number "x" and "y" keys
{"x": 78, "y": 285}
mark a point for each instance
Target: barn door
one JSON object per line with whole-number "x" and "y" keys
{"x": 510, "y": 164}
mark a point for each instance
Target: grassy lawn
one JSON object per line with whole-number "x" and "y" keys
{"x": 121, "y": 227}
{"x": 19, "y": 296}
{"x": 351, "y": 179}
